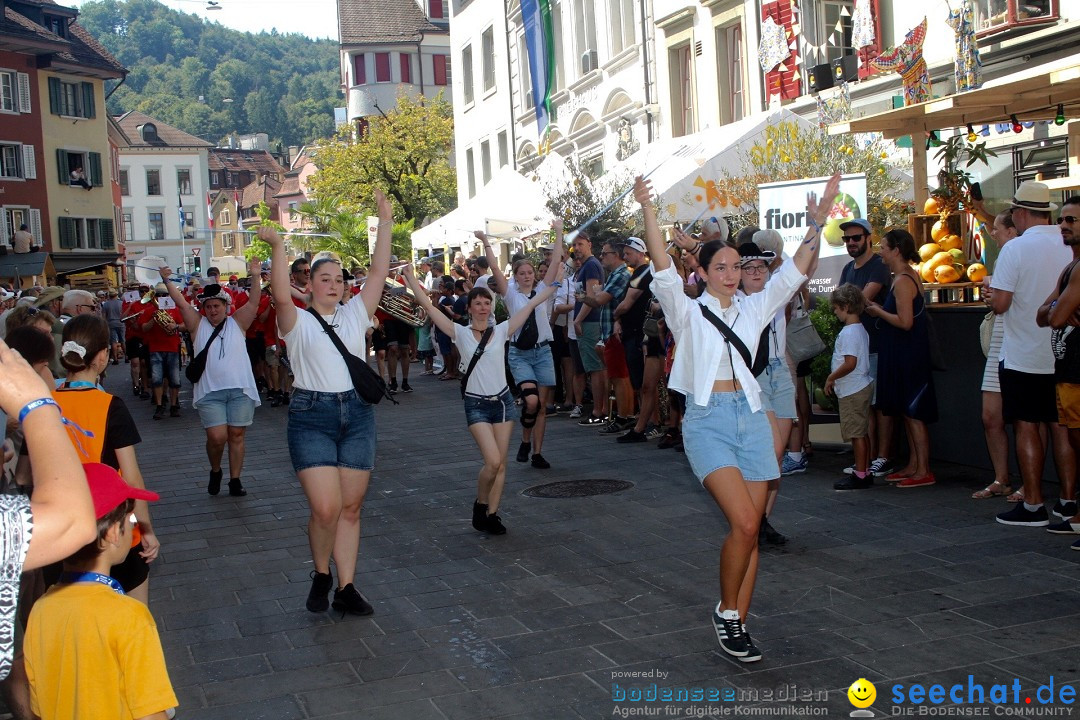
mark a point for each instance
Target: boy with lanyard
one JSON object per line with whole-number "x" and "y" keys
{"x": 87, "y": 617}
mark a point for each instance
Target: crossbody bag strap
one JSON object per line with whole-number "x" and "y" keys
{"x": 476, "y": 357}
{"x": 213, "y": 336}
{"x": 333, "y": 335}
{"x": 729, "y": 335}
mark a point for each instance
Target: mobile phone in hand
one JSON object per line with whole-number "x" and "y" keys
{"x": 976, "y": 191}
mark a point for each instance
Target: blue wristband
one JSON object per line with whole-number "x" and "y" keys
{"x": 557, "y": 284}
{"x": 34, "y": 405}
{"x": 813, "y": 223}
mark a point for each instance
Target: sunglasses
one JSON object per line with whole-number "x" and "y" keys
{"x": 82, "y": 305}
{"x": 754, "y": 269}
{"x": 609, "y": 252}
{"x": 853, "y": 238}
{"x": 1067, "y": 219}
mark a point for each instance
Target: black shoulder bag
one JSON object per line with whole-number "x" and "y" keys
{"x": 367, "y": 382}
{"x": 759, "y": 363}
{"x": 529, "y": 334}
{"x": 475, "y": 359}
{"x": 197, "y": 366}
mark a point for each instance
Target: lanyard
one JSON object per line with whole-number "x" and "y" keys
{"x": 78, "y": 385}
{"x": 78, "y": 577}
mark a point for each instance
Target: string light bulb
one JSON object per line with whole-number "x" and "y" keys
{"x": 1059, "y": 119}
{"x": 932, "y": 139}
{"x": 1016, "y": 126}
{"x": 972, "y": 136}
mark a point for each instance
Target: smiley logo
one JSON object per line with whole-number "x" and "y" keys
{"x": 862, "y": 693}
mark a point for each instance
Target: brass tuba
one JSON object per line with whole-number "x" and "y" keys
{"x": 399, "y": 303}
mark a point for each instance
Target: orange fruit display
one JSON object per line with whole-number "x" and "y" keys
{"x": 946, "y": 274}
{"x": 976, "y": 272}
{"x": 931, "y": 206}
{"x": 939, "y": 231}
{"x": 951, "y": 242}
{"x": 929, "y": 250}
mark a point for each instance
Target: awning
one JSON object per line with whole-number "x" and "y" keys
{"x": 510, "y": 205}
{"x": 69, "y": 263}
{"x": 1030, "y": 95}
{"x": 691, "y": 165}
{"x": 1033, "y": 94}
{"x": 24, "y": 266}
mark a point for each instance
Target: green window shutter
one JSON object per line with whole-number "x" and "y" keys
{"x": 105, "y": 232}
{"x": 88, "y": 100}
{"x": 55, "y": 92}
{"x": 67, "y": 233}
{"x": 62, "y": 166}
{"x": 95, "y": 169}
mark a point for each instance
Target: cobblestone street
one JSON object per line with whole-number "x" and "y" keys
{"x": 584, "y": 597}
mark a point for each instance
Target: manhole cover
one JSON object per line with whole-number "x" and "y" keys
{"x": 577, "y": 488}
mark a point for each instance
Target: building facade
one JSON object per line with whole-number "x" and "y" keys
{"x": 392, "y": 47}
{"x": 163, "y": 173}
{"x": 294, "y": 191}
{"x": 236, "y": 168}
{"x": 23, "y": 191}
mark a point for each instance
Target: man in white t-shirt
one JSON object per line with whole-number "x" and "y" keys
{"x": 1025, "y": 274}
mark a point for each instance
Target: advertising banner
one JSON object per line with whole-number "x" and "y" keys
{"x": 782, "y": 207}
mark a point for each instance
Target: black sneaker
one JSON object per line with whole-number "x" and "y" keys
{"x": 214, "y": 486}
{"x": 174, "y": 411}
{"x": 405, "y": 386}
{"x": 523, "y": 452}
{"x": 479, "y": 514}
{"x": 348, "y": 600}
{"x": 135, "y": 390}
{"x": 236, "y": 488}
{"x": 275, "y": 399}
{"x": 144, "y": 395}
{"x": 1065, "y": 509}
{"x": 753, "y": 654}
{"x": 392, "y": 385}
{"x": 853, "y": 482}
{"x": 539, "y": 462}
{"x": 671, "y": 439}
{"x": 1064, "y": 528}
{"x": 592, "y": 421}
{"x": 632, "y": 437}
{"x": 317, "y": 600}
{"x": 768, "y": 534}
{"x": 551, "y": 410}
{"x": 493, "y": 525}
{"x": 881, "y": 467}
{"x": 731, "y": 636}
{"x": 159, "y": 412}
{"x": 284, "y": 398}
{"x": 1020, "y": 515}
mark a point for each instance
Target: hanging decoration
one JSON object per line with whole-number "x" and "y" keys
{"x": 774, "y": 45}
{"x": 834, "y": 109}
{"x": 862, "y": 25}
{"x": 967, "y": 63}
{"x": 907, "y": 59}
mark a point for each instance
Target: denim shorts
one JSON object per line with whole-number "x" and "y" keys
{"x": 777, "y": 389}
{"x": 726, "y": 434}
{"x": 117, "y": 334}
{"x": 226, "y": 407}
{"x": 492, "y": 409}
{"x": 329, "y": 429}
{"x": 533, "y": 365}
{"x": 165, "y": 365}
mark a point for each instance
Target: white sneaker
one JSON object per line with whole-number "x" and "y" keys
{"x": 576, "y": 412}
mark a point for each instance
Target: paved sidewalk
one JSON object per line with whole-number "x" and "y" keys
{"x": 584, "y": 598}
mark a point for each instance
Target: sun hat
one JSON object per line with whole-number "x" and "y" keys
{"x": 1033, "y": 195}
{"x": 749, "y": 252}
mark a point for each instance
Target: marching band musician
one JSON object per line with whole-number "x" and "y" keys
{"x": 160, "y": 323}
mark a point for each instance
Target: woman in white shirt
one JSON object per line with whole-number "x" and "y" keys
{"x": 225, "y": 395}
{"x": 331, "y": 428}
{"x": 726, "y": 435}
{"x": 529, "y": 356}
{"x": 489, "y": 407}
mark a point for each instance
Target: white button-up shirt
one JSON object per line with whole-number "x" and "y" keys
{"x": 700, "y": 348}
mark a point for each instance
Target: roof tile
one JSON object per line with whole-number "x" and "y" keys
{"x": 383, "y": 21}
{"x": 169, "y": 136}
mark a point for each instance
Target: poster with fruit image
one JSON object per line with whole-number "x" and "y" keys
{"x": 782, "y": 207}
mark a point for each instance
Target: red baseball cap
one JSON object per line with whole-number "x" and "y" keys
{"x": 108, "y": 489}
{"x": 232, "y": 278}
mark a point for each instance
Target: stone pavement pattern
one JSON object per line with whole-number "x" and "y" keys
{"x": 886, "y": 584}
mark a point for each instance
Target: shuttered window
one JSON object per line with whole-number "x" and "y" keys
{"x": 787, "y": 83}
{"x": 71, "y": 99}
{"x": 69, "y": 233}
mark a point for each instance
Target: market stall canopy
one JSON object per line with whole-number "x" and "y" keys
{"x": 70, "y": 263}
{"x": 690, "y": 166}
{"x": 1034, "y": 95}
{"x": 20, "y": 269}
{"x": 229, "y": 265}
{"x": 509, "y": 206}
{"x": 552, "y": 172}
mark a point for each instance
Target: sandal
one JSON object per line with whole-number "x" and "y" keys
{"x": 994, "y": 489}
{"x": 1016, "y": 497}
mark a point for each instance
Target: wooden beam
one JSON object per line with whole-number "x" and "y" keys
{"x": 918, "y": 170}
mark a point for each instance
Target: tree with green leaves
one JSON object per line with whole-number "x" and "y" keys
{"x": 406, "y": 153}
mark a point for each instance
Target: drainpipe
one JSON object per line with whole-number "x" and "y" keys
{"x": 420, "y": 61}
{"x": 645, "y": 68}
{"x": 512, "y": 150}
{"x": 122, "y": 79}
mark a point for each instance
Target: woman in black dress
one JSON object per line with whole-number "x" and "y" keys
{"x": 905, "y": 383}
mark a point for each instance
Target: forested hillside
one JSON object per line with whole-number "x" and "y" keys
{"x": 211, "y": 81}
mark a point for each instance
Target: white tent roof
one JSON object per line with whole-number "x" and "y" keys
{"x": 508, "y": 206}
{"x": 688, "y": 165}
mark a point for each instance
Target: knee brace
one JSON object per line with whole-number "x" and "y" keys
{"x": 528, "y": 419}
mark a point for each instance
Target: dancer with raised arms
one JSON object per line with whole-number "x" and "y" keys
{"x": 727, "y": 436}
{"x": 489, "y": 405}
{"x": 331, "y": 428}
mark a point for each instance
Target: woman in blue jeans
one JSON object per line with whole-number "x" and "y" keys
{"x": 489, "y": 406}
{"x": 726, "y": 431}
{"x": 331, "y": 428}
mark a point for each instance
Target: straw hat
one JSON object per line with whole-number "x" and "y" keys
{"x": 1033, "y": 195}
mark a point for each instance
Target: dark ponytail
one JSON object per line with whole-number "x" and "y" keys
{"x": 89, "y": 331}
